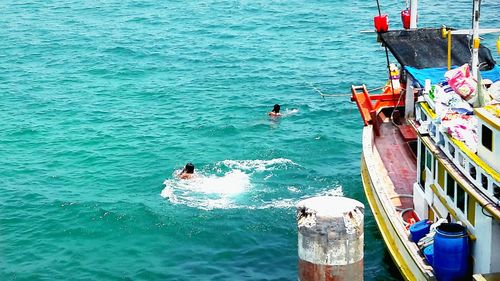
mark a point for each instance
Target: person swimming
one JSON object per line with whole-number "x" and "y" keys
{"x": 275, "y": 111}
{"x": 187, "y": 172}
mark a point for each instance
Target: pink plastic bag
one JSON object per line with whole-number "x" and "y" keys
{"x": 462, "y": 82}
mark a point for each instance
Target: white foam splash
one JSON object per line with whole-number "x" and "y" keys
{"x": 292, "y": 203}
{"x": 212, "y": 188}
{"x": 233, "y": 182}
{"x": 335, "y": 191}
{"x": 278, "y": 204}
{"x": 258, "y": 165}
{"x": 206, "y": 192}
{"x": 290, "y": 112}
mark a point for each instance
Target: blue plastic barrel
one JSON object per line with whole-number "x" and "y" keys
{"x": 429, "y": 253}
{"x": 451, "y": 252}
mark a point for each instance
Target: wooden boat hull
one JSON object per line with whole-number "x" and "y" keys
{"x": 387, "y": 218}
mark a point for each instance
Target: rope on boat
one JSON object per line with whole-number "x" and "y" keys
{"x": 317, "y": 90}
{"x": 490, "y": 203}
{"x": 378, "y": 7}
{"x": 404, "y": 210}
{"x": 402, "y": 196}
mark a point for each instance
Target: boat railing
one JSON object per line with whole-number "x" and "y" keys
{"x": 480, "y": 174}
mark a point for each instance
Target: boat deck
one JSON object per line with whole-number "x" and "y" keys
{"x": 400, "y": 163}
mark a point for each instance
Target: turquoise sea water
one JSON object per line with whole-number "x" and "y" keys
{"x": 102, "y": 102}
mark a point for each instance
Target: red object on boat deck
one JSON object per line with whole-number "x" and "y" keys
{"x": 410, "y": 218}
{"x": 405, "y": 18}
{"x": 370, "y": 105}
{"x": 381, "y": 23}
{"x": 407, "y": 132}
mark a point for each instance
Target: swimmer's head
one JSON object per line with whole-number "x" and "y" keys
{"x": 189, "y": 168}
{"x": 276, "y": 108}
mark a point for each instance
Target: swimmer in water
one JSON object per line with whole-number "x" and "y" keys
{"x": 187, "y": 172}
{"x": 276, "y": 111}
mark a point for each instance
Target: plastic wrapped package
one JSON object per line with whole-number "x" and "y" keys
{"x": 494, "y": 91}
{"x": 462, "y": 82}
{"x": 462, "y": 127}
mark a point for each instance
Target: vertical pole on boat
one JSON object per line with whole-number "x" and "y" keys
{"x": 409, "y": 98}
{"x": 475, "y": 37}
{"x": 413, "y": 13}
{"x": 448, "y": 36}
{"x": 330, "y": 239}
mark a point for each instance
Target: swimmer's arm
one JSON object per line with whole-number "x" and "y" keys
{"x": 182, "y": 172}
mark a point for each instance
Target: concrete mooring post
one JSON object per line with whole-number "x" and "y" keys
{"x": 330, "y": 239}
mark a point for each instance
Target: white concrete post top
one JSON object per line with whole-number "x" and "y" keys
{"x": 325, "y": 210}
{"x": 331, "y": 206}
{"x": 330, "y": 231}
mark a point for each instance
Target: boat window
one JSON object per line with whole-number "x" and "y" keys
{"x": 460, "y": 198}
{"x": 429, "y": 160}
{"x": 496, "y": 191}
{"x": 424, "y": 117}
{"x": 451, "y": 149}
{"x": 461, "y": 160}
{"x": 487, "y": 137}
{"x": 432, "y": 129}
{"x": 450, "y": 187}
{"x": 484, "y": 181}
{"x": 441, "y": 139}
{"x": 472, "y": 171}
{"x": 422, "y": 165}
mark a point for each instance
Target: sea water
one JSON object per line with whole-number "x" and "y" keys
{"x": 103, "y": 103}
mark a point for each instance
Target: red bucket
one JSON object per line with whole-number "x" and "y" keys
{"x": 381, "y": 23}
{"x": 405, "y": 18}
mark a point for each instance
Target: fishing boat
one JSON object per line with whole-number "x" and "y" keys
{"x": 431, "y": 151}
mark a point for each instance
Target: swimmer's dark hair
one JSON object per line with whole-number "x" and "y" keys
{"x": 276, "y": 108}
{"x": 189, "y": 168}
